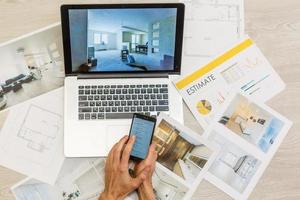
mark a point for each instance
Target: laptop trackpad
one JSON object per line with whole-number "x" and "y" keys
{"x": 115, "y": 133}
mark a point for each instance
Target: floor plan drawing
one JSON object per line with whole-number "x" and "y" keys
{"x": 205, "y": 20}
{"x": 41, "y": 131}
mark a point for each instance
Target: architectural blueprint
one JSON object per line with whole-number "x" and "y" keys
{"x": 31, "y": 139}
{"x": 210, "y": 27}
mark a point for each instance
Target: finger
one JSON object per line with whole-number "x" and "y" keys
{"x": 118, "y": 150}
{"x": 136, "y": 182}
{"x": 127, "y": 151}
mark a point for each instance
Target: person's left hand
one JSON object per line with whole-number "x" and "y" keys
{"x": 118, "y": 182}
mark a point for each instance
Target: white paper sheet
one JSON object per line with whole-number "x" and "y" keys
{"x": 31, "y": 139}
{"x": 249, "y": 134}
{"x": 210, "y": 27}
{"x": 241, "y": 68}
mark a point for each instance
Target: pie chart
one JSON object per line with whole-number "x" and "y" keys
{"x": 204, "y": 107}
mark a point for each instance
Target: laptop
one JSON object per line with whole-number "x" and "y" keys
{"x": 119, "y": 60}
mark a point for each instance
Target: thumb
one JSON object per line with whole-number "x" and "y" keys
{"x": 141, "y": 177}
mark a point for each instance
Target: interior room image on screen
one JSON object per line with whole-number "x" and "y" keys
{"x": 105, "y": 40}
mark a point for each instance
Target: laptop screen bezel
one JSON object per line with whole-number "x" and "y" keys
{"x": 178, "y": 35}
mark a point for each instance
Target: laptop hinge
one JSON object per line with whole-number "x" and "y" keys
{"x": 131, "y": 75}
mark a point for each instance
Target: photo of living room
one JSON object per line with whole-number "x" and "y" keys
{"x": 33, "y": 65}
{"x": 251, "y": 122}
{"x": 179, "y": 152}
{"x": 123, "y": 39}
{"x": 233, "y": 165}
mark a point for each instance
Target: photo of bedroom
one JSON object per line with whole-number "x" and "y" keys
{"x": 33, "y": 65}
{"x": 233, "y": 166}
{"x": 122, "y": 39}
{"x": 178, "y": 152}
{"x": 251, "y": 122}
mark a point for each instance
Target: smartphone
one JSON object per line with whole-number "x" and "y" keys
{"x": 142, "y": 127}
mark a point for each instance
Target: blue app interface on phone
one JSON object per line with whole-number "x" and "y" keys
{"x": 142, "y": 129}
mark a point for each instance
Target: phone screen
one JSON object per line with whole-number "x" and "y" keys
{"x": 143, "y": 129}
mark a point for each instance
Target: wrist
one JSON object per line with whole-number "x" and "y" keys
{"x": 145, "y": 191}
{"x": 109, "y": 196}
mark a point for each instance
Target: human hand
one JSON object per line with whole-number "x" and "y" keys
{"x": 145, "y": 191}
{"x": 118, "y": 182}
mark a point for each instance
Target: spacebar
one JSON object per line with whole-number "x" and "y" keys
{"x": 118, "y": 115}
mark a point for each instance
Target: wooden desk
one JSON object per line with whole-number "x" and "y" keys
{"x": 275, "y": 27}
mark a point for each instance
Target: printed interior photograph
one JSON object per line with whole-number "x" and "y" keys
{"x": 122, "y": 39}
{"x": 33, "y": 65}
{"x": 179, "y": 152}
{"x": 233, "y": 165}
{"x": 251, "y": 122}
{"x": 80, "y": 179}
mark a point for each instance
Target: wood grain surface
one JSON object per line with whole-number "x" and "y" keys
{"x": 275, "y": 27}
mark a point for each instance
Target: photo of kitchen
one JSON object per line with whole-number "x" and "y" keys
{"x": 33, "y": 65}
{"x": 179, "y": 152}
{"x": 233, "y": 165}
{"x": 251, "y": 122}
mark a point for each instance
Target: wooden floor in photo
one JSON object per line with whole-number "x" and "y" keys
{"x": 275, "y": 27}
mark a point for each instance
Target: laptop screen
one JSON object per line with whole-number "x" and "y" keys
{"x": 123, "y": 39}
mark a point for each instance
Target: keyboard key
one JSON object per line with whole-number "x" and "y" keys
{"x": 95, "y": 109}
{"x": 123, "y": 103}
{"x": 115, "y": 97}
{"x": 132, "y": 86}
{"x": 112, "y": 91}
{"x": 153, "y": 96}
{"x": 101, "y": 109}
{"x": 109, "y": 97}
{"x": 103, "y": 97}
{"x": 87, "y": 87}
{"x": 146, "y": 96}
{"x": 128, "y": 97}
{"x": 104, "y": 103}
{"x": 155, "y": 90}
{"x": 134, "y": 97}
{"x": 143, "y": 90}
{"x": 83, "y": 103}
{"x": 162, "y": 108}
{"x": 148, "y": 102}
{"x": 163, "y": 102}
{"x": 140, "y": 96}
{"x": 120, "y": 109}
{"x": 111, "y": 103}
{"x": 81, "y": 92}
{"x": 158, "y": 85}
{"x": 145, "y": 108}
{"x": 129, "y": 103}
{"x": 159, "y": 96}
{"x": 149, "y": 90}
{"x": 142, "y": 103}
{"x": 165, "y": 85}
{"x": 139, "y": 109}
{"x": 151, "y": 108}
{"x": 119, "y": 86}
{"x": 99, "y": 91}
{"x": 107, "y": 86}
{"x": 113, "y": 86}
{"x": 118, "y": 91}
{"x": 130, "y": 91}
{"x": 82, "y": 98}
{"x": 152, "y": 86}
{"x": 165, "y": 96}
{"x": 84, "y": 110}
{"x": 107, "y": 109}
{"x": 139, "y": 86}
{"x": 81, "y": 116}
{"x": 106, "y": 91}
{"x": 97, "y": 97}
{"x": 126, "y": 86}
{"x": 163, "y": 90}
{"x": 137, "y": 91}
{"x": 94, "y": 86}
{"x": 126, "y": 109}
{"x": 90, "y": 98}
{"x": 93, "y": 91}
{"x": 154, "y": 102}
{"x": 121, "y": 97}
{"x": 87, "y": 116}
{"x": 100, "y": 86}
{"x": 118, "y": 115}
{"x": 98, "y": 103}
{"x": 80, "y": 87}
{"x": 124, "y": 91}
{"x": 93, "y": 116}
{"x": 92, "y": 103}
{"x": 133, "y": 109}
{"x": 117, "y": 103}
{"x": 114, "y": 109}
{"x": 145, "y": 86}
{"x": 100, "y": 115}
{"x": 136, "y": 103}
{"x": 87, "y": 92}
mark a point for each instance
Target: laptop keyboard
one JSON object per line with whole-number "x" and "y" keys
{"x": 98, "y": 102}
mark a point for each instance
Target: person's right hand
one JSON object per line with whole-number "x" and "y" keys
{"x": 145, "y": 191}
{"x": 118, "y": 182}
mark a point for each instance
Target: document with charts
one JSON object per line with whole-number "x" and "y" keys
{"x": 31, "y": 137}
{"x": 248, "y": 134}
{"x": 204, "y": 21}
{"x": 241, "y": 68}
